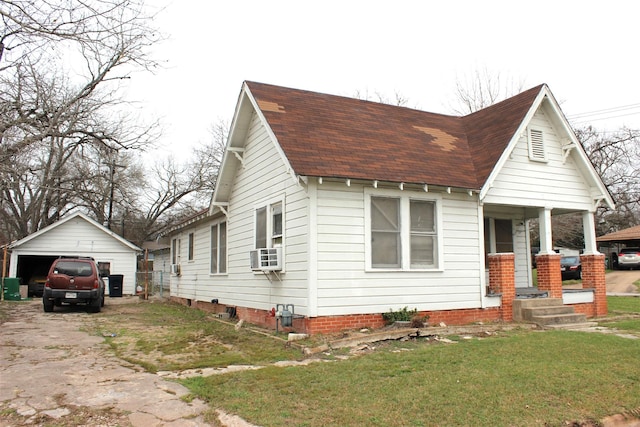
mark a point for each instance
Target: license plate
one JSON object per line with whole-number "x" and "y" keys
{"x": 71, "y": 295}
{"x": 562, "y": 269}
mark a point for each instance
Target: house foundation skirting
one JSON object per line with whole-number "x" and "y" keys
{"x": 333, "y": 324}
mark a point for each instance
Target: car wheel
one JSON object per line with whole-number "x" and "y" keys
{"x": 579, "y": 274}
{"x": 47, "y": 304}
{"x": 95, "y": 305}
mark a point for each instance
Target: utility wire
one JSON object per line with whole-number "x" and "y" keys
{"x": 605, "y": 111}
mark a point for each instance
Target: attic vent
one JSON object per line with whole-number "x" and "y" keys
{"x": 536, "y": 145}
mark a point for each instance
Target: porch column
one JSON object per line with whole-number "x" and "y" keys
{"x": 589, "y": 230}
{"x": 502, "y": 280}
{"x": 549, "y": 275}
{"x": 546, "y": 241}
{"x": 593, "y": 277}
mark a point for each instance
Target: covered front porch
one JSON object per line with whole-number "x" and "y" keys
{"x": 506, "y": 269}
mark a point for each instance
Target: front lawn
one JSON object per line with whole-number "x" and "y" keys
{"x": 523, "y": 379}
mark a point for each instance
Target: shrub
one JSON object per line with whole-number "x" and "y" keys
{"x": 403, "y": 315}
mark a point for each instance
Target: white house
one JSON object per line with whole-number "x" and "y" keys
{"x": 344, "y": 209}
{"x": 75, "y": 235}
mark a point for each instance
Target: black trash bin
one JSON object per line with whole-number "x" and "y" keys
{"x": 115, "y": 285}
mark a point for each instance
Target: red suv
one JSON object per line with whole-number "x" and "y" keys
{"x": 74, "y": 281}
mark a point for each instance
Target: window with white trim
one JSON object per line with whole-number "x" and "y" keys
{"x": 537, "y": 149}
{"x": 402, "y": 233}
{"x": 269, "y": 226}
{"x": 218, "y": 263}
{"x": 190, "y": 247}
{"x": 175, "y": 251}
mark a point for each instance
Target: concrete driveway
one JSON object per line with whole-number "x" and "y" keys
{"x": 622, "y": 282}
{"x": 52, "y": 373}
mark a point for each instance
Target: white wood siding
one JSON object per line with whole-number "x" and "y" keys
{"x": 344, "y": 287}
{"x": 262, "y": 179}
{"x": 77, "y": 237}
{"x": 555, "y": 183}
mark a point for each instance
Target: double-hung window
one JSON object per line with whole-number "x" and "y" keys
{"x": 175, "y": 251}
{"x": 190, "y": 246}
{"x": 403, "y": 233}
{"x": 218, "y": 248}
{"x": 269, "y": 229}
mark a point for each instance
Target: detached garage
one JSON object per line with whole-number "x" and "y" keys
{"x": 75, "y": 235}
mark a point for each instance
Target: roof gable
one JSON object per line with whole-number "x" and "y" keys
{"x": 66, "y": 219}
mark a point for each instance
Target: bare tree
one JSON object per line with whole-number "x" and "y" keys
{"x": 482, "y": 89}
{"x": 176, "y": 191}
{"x": 616, "y": 158}
{"x": 61, "y": 67}
{"x": 398, "y": 99}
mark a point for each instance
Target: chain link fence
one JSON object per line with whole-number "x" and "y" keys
{"x": 156, "y": 283}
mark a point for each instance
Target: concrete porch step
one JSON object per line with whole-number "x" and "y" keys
{"x": 559, "y": 319}
{"x": 530, "y": 312}
{"x": 573, "y": 326}
{"x": 538, "y": 302}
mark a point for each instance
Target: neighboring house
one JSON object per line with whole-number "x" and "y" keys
{"x": 346, "y": 209}
{"x": 158, "y": 256}
{"x": 74, "y": 235}
{"x": 611, "y": 243}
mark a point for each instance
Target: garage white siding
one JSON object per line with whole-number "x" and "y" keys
{"x": 81, "y": 236}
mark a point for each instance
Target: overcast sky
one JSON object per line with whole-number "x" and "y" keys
{"x": 588, "y": 52}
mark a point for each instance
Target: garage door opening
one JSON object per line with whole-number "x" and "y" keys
{"x": 32, "y": 271}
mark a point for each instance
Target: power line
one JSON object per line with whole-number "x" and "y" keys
{"x": 605, "y": 111}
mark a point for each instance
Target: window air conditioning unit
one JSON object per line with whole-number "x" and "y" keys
{"x": 266, "y": 259}
{"x": 175, "y": 269}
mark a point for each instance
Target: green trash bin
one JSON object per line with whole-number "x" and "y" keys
{"x": 11, "y": 288}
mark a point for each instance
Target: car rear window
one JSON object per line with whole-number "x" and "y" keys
{"x": 570, "y": 260}
{"x": 73, "y": 268}
{"x": 629, "y": 250}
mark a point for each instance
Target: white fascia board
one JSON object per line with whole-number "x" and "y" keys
{"x": 584, "y": 161}
{"x": 272, "y": 135}
{"x": 235, "y": 138}
{"x": 512, "y": 144}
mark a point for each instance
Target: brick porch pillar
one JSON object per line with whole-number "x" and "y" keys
{"x": 502, "y": 280}
{"x": 593, "y": 277}
{"x": 549, "y": 275}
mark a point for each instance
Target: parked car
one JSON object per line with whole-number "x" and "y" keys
{"x": 570, "y": 268}
{"x": 74, "y": 281}
{"x": 629, "y": 258}
{"x": 36, "y": 286}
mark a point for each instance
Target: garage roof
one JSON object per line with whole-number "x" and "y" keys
{"x": 629, "y": 235}
{"x": 44, "y": 230}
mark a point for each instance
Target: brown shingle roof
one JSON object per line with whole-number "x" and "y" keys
{"x": 628, "y": 234}
{"x": 333, "y": 136}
